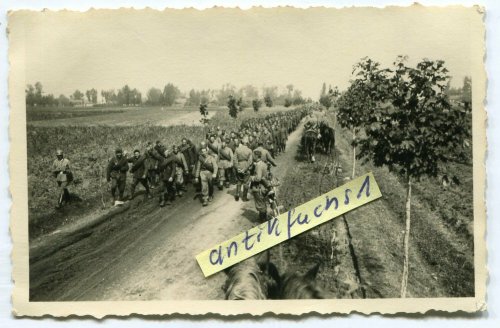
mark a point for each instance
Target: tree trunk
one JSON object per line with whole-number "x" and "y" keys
{"x": 404, "y": 280}
{"x": 353, "y": 155}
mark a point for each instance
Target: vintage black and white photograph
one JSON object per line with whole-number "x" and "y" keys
{"x": 145, "y": 137}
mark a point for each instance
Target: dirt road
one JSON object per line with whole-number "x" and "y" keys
{"x": 147, "y": 252}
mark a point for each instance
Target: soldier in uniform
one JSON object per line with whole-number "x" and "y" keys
{"x": 243, "y": 160}
{"x": 166, "y": 166}
{"x": 117, "y": 173}
{"x": 311, "y": 122}
{"x": 283, "y": 136}
{"x": 139, "y": 172}
{"x": 270, "y": 148}
{"x": 225, "y": 164}
{"x": 233, "y": 144}
{"x": 206, "y": 171}
{"x": 267, "y": 142}
{"x": 151, "y": 165}
{"x": 232, "y": 141}
{"x": 213, "y": 145}
{"x": 222, "y": 136}
{"x": 189, "y": 151}
{"x": 255, "y": 137}
{"x": 63, "y": 175}
{"x": 266, "y": 156}
{"x": 203, "y": 144}
{"x": 158, "y": 153}
{"x": 232, "y": 135}
{"x": 252, "y": 143}
{"x": 160, "y": 148}
{"x": 260, "y": 185}
{"x": 218, "y": 135}
{"x": 196, "y": 182}
{"x": 180, "y": 169}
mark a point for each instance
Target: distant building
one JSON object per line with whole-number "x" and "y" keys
{"x": 77, "y": 102}
{"x": 81, "y": 103}
{"x": 181, "y": 101}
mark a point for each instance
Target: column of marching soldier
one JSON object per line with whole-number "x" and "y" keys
{"x": 242, "y": 158}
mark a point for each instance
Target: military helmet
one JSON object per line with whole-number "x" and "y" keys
{"x": 59, "y": 152}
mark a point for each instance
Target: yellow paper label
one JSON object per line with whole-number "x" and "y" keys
{"x": 321, "y": 209}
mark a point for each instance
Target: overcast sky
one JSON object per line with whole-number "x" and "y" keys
{"x": 206, "y": 49}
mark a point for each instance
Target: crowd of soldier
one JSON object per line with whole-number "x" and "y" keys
{"x": 240, "y": 157}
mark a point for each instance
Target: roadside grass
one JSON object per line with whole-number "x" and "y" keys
{"x": 318, "y": 245}
{"x": 458, "y": 216}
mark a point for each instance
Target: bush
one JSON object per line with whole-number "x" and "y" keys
{"x": 268, "y": 101}
{"x": 256, "y": 103}
{"x": 326, "y": 101}
{"x": 235, "y": 106}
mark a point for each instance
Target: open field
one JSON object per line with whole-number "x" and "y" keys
{"x": 126, "y": 116}
{"x": 116, "y": 116}
{"x": 56, "y": 113}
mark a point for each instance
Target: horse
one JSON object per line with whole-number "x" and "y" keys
{"x": 309, "y": 139}
{"x": 327, "y": 138}
{"x": 301, "y": 286}
{"x": 250, "y": 280}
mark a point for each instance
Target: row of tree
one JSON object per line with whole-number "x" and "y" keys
{"x": 170, "y": 94}
{"x": 270, "y": 96}
{"x": 36, "y": 97}
{"x": 402, "y": 118}
{"x": 125, "y": 96}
